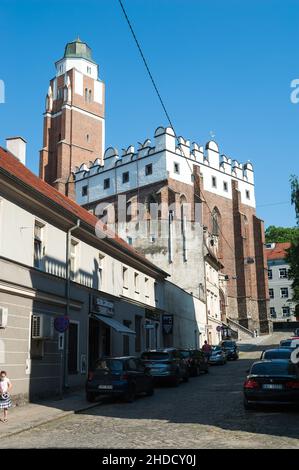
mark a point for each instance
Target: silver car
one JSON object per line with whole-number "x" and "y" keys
{"x": 166, "y": 365}
{"x": 217, "y": 356}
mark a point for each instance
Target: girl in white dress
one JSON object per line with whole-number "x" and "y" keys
{"x": 5, "y": 401}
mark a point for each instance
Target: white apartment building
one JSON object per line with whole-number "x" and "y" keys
{"x": 280, "y": 286}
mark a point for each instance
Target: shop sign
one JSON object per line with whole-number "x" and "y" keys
{"x": 101, "y": 306}
{"x": 151, "y": 315}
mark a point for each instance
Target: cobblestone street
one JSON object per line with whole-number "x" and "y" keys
{"x": 207, "y": 412}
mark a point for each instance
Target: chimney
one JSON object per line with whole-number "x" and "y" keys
{"x": 17, "y": 146}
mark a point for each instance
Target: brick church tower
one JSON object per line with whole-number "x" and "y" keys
{"x": 74, "y": 125}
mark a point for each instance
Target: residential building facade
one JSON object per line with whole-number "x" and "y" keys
{"x": 54, "y": 269}
{"x": 282, "y": 308}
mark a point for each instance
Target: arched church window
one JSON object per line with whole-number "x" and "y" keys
{"x": 216, "y": 220}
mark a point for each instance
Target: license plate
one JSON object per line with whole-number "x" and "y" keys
{"x": 273, "y": 386}
{"x": 105, "y": 387}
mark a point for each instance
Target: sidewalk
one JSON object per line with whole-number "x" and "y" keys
{"x": 254, "y": 341}
{"x": 31, "y": 415}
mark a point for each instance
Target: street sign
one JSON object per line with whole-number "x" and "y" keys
{"x": 167, "y": 324}
{"x": 61, "y": 324}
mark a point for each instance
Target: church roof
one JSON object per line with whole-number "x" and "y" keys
{"x": 77, "y": 49}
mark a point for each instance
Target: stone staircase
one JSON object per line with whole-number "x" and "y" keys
{"x": 242, "y": 331}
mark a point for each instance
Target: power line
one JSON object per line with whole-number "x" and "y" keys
{"x": 145, "y": 63}
{"x": 167, "y": 114}
{"x": 273, "y": 204}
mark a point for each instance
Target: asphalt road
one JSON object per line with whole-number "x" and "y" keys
{"x": 207, "y": 412}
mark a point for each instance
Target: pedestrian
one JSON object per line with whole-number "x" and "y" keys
{"x": 207, "y": 349}
{"x": 5, "y": 401}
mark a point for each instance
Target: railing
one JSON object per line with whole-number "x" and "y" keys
{"x": 242, "y": 328}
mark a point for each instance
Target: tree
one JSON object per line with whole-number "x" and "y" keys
{"x": 280, "y": 234}
{"x": 293, "y": 251}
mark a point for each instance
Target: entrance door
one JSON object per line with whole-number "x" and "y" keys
{"x": 73, "y": 348}
{"x": 94, "y": 341}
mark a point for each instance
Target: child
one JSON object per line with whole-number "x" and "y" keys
{"x": 5, "y": 401}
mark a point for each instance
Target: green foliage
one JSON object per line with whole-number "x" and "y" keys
{"x": 280, "y": 234}
{"x": 293, "y": 252}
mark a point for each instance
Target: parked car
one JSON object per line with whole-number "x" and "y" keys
{"x": 119, "y": 376}
{"x": 166, "y": 365}
{"x": 231, "y": 349}
{"x": 218, "y": 355}
{"x": 285, "y": 343}
{"x": 271, "y": 382}
{"x": 290, "y": 342}
{"x": 195, "y": 360}
{"x": 277, "y": 353}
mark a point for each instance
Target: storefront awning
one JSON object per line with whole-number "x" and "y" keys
{"x": 116, "y": 325}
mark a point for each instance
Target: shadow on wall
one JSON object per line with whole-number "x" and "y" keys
{"x": 46, "y": 364}
{"x": 214, "y": 400}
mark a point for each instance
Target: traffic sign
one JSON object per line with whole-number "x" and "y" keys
{"x": 61, "y": 324}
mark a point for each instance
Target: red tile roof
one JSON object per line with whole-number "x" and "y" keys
{"x": 10, "y": 164}
{"x": 278, "y": 252}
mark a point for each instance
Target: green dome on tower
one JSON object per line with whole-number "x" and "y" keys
{"x": 77, "y": 49}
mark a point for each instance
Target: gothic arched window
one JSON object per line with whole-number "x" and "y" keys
{"x": 216, "y": 222}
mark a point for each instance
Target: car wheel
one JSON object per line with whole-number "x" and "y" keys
{"x": 90, "y": 397}
{"x": 175, "y": 381}
{"x": 150, "y": 391}
{"x": 186, "y": 378}
{"x": 129, "y": 397}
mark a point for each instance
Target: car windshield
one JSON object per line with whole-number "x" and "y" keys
{"x": 286, "y": 342}
{"x": 272, "y": 368}
{"x": 277, "y": 354}
{"x": 216, "y": 349}
{"x": 155, "y": 356}
{"x": 185, "y": 354}
{"x": 109, "y": 365}
{"x": 228, "y": 344}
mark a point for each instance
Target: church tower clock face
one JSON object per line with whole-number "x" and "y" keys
{"x": 74, "y": 118}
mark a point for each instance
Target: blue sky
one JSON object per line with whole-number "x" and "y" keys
{"x": 221, "y": 66}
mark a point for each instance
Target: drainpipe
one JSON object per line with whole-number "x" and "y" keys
{"x": 67, "y": 295}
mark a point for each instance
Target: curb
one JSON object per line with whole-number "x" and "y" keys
{"x": 49, "y": 420}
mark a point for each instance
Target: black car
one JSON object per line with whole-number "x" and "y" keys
{"x": 269, "y": 382}
{"x": 277, "y": 353}
{"x": 231, "y": 349}
{"x": 166, "y": 365}
{"x": 196, "y": 361}
{"x": 119, "y": 376}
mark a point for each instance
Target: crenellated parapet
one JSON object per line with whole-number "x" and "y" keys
{"x": 165, "y": 140}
